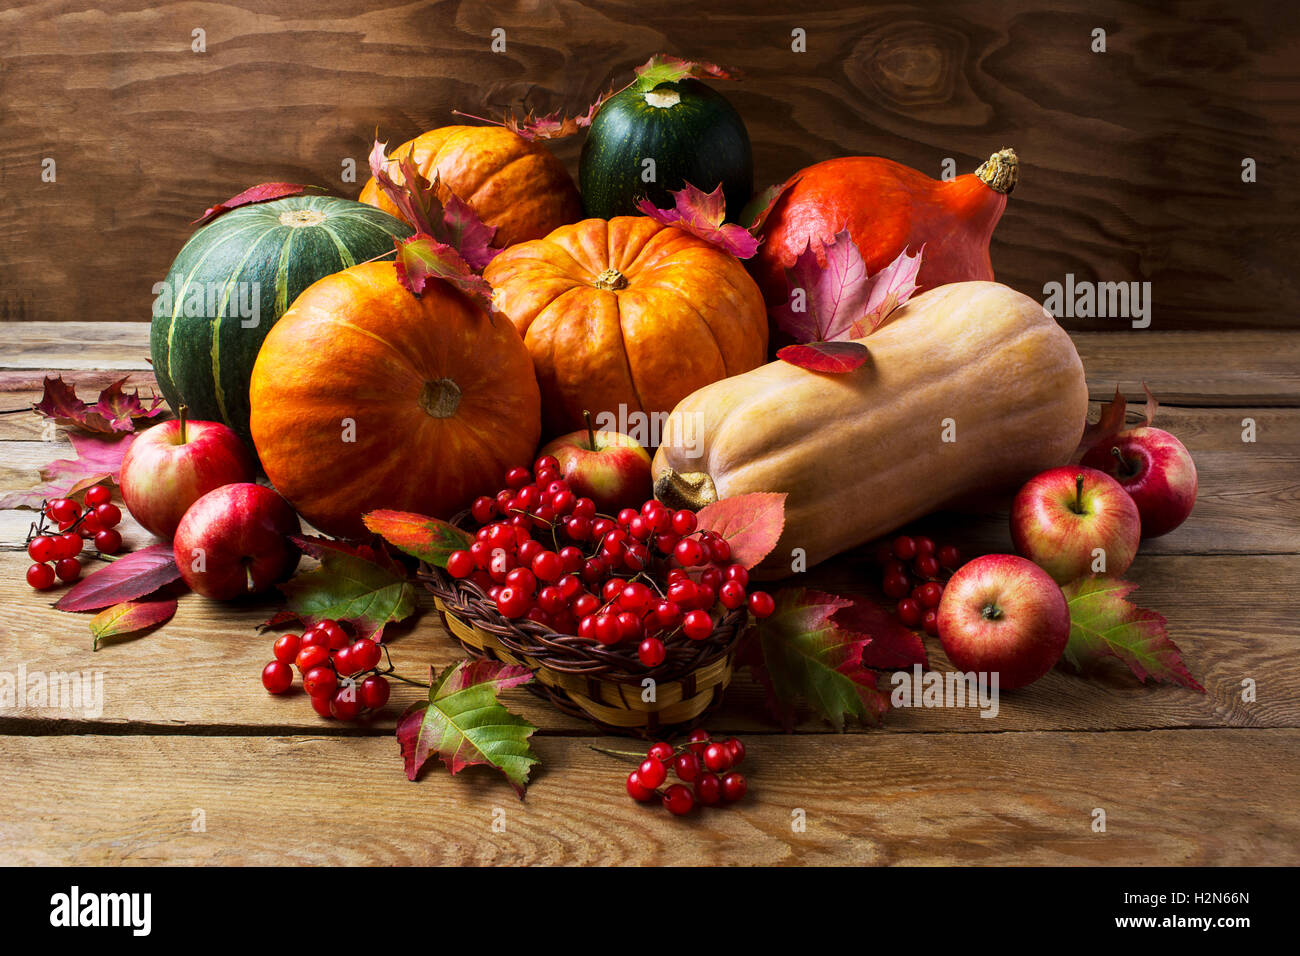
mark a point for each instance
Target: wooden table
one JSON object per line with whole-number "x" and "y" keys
{"x": 192, "y": 762}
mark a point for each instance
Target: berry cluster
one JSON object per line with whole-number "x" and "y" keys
{"x": 56, "y": 552}
{"x": 642, "y": 577}
{"x": 331, "y": 664}
{"x": 913, "y": 571}
{"x": 702, "y": 762}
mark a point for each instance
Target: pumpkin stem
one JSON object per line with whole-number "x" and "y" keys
{"x": 611, "y": 279}
{"x": 591, "y": 432}
{"x": 183, "y": 413}
{"x": 691, "y": 490}
{"x": 1001, "y": 171}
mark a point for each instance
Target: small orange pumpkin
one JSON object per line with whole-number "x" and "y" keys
{"x": 365, "y": 396}
{"x": 627, "y": 315}
{"x": 511, "y": 183}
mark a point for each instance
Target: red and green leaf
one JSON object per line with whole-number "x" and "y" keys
{"x": 129, "y": 577}
{"x": 317, "y": 545}
{"x": 752, "y": 524}
{"x": 1104, "y": 624}
{"x": 129, "y": 617}
{"x": 429, "y": 539}
{"x": 465, "y": 724}
{"x": 662, "y": 68}
{"x": 801, "y": 652}
{"x": 422, "y": 258}
{"x": 264, "y": 192}
{"x": 702, "y": 214}
{"x": 754, "y": 216}
{"x": 346, "y": 587}
{"x": 893, "y": 645}
{"x": 834, "y": 357}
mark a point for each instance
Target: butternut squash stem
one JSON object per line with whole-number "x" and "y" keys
{"x": 690, "y": 490}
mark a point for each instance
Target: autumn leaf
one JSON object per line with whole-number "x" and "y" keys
{"x": 752, "y": 524}
{"x": 129, "y": 577}
{"x": 129, "y": 618}
{"x": 422, "y": 258}
{"x": 893, "y": 644}
{"x": 662, "y": 68}
{"x": 834, "y": 357}
{"x": 701, "y": 214}
{"x": 349, "y": 588}
{"x": 754, "y": 216}
{"x": 1103, "y": 624}
{"x": 317, "y": 545}
{"x": 265, "y": 192}
{"x": 465, "y": 724}
{"x": 429, "y": 539}
{"x": 121, "y": 409}
{"x": 554, "y": 125}
{"x": 802, "y": 652}
{"x": 114, "y": 413}
{"x": 1112, "y": 421}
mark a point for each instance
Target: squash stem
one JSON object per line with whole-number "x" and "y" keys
{"x": 1001, "y": 171}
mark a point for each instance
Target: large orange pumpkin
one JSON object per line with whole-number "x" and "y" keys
{"x": 365, "y": 396}
{"x": 511, "y": 183}
{"x": 627, "y": 315}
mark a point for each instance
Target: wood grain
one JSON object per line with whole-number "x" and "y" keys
{"x": 1022, "y": 798}
{"x": 1131, "y": 158}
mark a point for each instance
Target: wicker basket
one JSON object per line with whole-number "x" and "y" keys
{"x": 602, "y": 684}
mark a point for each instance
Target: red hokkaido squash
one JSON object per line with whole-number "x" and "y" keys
{"x": 365, "y": 396}
{"x": 511, "y": 183}
{"x": 888, "y": 207}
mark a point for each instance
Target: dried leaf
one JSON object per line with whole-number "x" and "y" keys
{"x": 128, "y": 618}
{"x": 429, "y": 539}
{"x": 121, "y": 410}
{"x": 889, "y": 288}
{"x": 701, "y": 214}
{"x": 834, "y": 357}
{"x": 752, "y": 524}
{"x": 1104, "y": 624}
{"x": 264, "y": 192}
{"x": 115, "y": 412}
{"x": 1109, "y": 424}
{"x": 349, "y": 588}
{"x": 801, "y": 652}
{"x": 465, "y": 724}
{"x": 553, "y": 125}
{"x": 99, "y": 458}
{"x": 662, "y": 68}
{"x": 1149, "y": 410}
{"x": 422, "y": 258}
{"x": 129, "y": 577}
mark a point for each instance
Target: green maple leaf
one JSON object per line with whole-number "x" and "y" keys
{"x": 464, "y": 723}
{"x": 428, "y": 539}
{"x": 349, "y": 588}
{"x": 800, "y": 652}
{"x": 1103, "y": 624}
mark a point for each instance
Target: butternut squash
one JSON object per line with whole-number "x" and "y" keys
{"x": 969, "y": 387}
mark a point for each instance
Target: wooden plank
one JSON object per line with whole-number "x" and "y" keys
{"x": 199, "y": 672}
{"x": 1248, "y": 501}
{"x": 1023, "y": 799}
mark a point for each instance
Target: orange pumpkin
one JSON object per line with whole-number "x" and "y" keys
{"x": 511, "y": 183}
{"x": 365, "y": 396}
{"x": 627, "y": 315}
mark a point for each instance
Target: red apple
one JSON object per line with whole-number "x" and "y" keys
{"x": 1064, "y": 516}
{"x": 609, "y": 467}
{"x": 1005, "y": 615}
{"x": 170, "y": 466}
{"x": 1157, "y": 472}
{"x": 233, "y": 541}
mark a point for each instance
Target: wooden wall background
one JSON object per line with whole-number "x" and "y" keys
{"x": 1131, "y": 158}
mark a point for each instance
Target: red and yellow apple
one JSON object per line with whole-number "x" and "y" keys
{"x": 1157, "y": 472}
{"x": 171, "y": 465}
{"x": 610, "y": 468}
{"x": 234, "y": 541}
{"x": 1003, "y": 614}
{"x": 1075, "y": 522}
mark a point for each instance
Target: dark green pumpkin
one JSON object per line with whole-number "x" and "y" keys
{"x": 233, "y": 280}
{"x": 699, "y": 139}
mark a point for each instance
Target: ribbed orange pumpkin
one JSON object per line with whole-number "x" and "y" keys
{"x": 365, "y": 396}
{"x": 511, "y": 183}
{"x": 627, "y": 313}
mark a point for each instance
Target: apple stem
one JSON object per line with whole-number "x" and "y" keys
{"x": 183, "y": 413}
{"x": 591, "y": 432}
{"x": 1078, "y": 494}
{"x": 248, "y": 576}
{"x": 1125, "y": 469}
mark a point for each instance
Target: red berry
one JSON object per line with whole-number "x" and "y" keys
{"x": 720, "y": 550}
{"x": 689, "y": 553}
{"x": 686, "y": 766}
{"x": 63, "y": 510}
{"x": 732, "y": 595}
{"x": 345, "y": 704}
{"x": 68, "y": 569}
{"x": 896, "y": 586}
{"x": 551, "y": 600}
{"x": 516, "y": 478}
{"x": 108, "y": 541}
{"x": 638, "y": 791}
{"x": 678, "y": 800}
{"x": 652, "y": 772}
{"x": 629, "y": 627}
{"x": 286, "y": 648}
{"x": 335, "y": 636}
{"x": 661, "y": 750}
{"x": 930, "y": 621}
{"x": 548, "y": 566}
{"x": 949, "y": 557}
{"x": 737, "y": 750}
{"x": 734, "y": 786}
{"x": 42, "y": 547}
{"x": 322, "y": 706}
{"x": 483, "y": 509}
{"x": 708, "y": 789}
{"x": 373, "y": 692}
{"x": 713, "y": 577}
{"x": 717, "y": 757}
{"x": 667, "y": 614}
{"x": 651, "y": 652}
{"x": 320, "y": 681}
{"x": 71, "y": 545}
{"x": 365, "y": 654}
{"x": 697, "y": 625}
{"x": 311, "y": 656}
{"x": 683, "y": 593}
{"x": 546, "y": 463}
{"x": 927, "y": 566}
{"x": 344, "y": 662}
{"x": 904, "y": 548}
{"x": 684, "y": 522}
{"x": 585, "y": 605}
{"x": 460, "y": 564}
{"x": 761, "y": 604}
{"x": 522, "y": 580}
{"x": 909, "y": 612}
{"x": 636, "y": 597}
{"x": 737, "y": 573}
{"x": 924, "y": 546}
{"x": 40, "y": 576}
{"x": 108, "y": 515}
{"x": 277, "y": 676}
{"x": 513, "y": 602}
{"x": 705, "y": 596}
{"x": 697, "y": 741}
{"x": 97, "y": 495}
{"x": 929, "y": 594}
{"x": 90, "y": 525}
{"x": 607, "y": 629}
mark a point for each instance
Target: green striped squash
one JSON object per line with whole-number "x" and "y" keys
{"x": 233, "y": 280}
